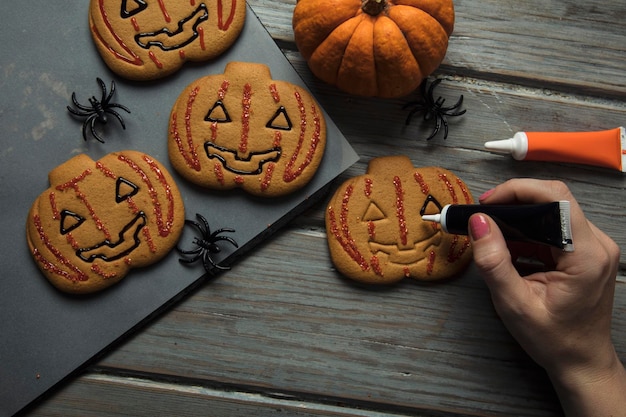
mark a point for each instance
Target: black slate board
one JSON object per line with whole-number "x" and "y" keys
{"x": 47, "y": 54}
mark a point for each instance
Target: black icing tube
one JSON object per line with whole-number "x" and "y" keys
{"x": 547, "y": 223}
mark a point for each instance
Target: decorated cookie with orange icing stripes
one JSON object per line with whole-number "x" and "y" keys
{"x": 99, "y": 219}
{"x": 150, "y": 39}
{"x": 242, "y": 129}
{"x": 375, "y": 230}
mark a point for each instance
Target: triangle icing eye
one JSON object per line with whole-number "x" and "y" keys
{"x": 70, "y": 221}
{"x": 124, "y": 189}
{"x": 280, "y": 120}
{"x": 373, "y": 213}
{"x": 138, "y": 6}
{"x": 218, "y": 113}
{"x": 431, "y": 201}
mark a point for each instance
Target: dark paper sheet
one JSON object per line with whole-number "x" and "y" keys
{"x": 47, "y": 54}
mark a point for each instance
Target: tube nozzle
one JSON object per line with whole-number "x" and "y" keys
{"x": 432, "y": 218}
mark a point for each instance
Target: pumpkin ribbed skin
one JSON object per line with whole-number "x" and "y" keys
{"x": 382, "y": 48}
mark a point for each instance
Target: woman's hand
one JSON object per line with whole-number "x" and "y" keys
{"x": 561, "y": 317}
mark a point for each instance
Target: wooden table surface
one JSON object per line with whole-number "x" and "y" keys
{"x": 283, "y": 333}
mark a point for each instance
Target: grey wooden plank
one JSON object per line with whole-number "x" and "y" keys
{"x": 302, "y": 328}
{"x": 578, "y": 46}
{"x": 93, "y": 395}
{"x": 567, "y": 44}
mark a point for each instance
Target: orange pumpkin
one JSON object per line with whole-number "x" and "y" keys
{"x": 382, "y": 48}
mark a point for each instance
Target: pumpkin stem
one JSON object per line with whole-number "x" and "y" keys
{"x": 373, "y": 7}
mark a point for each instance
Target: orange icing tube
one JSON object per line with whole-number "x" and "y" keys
{"x": 606, "y": 148}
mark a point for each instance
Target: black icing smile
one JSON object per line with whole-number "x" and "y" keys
{"x": 128, "y": 240}
{"x": 250, "y": 165}
{"x": 408, "y": 256}
{"x": 185, "y": 33}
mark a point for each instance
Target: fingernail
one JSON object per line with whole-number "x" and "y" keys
{"x": 479, "y": 226}
{"x": 486, "y": 194}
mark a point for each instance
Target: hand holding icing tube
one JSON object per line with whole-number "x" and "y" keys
{"x": 547, "y": 223}
{"x": 605, "y": 148}
{"x": 560, "y": 316}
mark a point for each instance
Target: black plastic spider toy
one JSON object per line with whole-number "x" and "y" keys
{"x": 98, "y": 110}
{"x": 206, "y": 245}
{"x": 433, "y": 109}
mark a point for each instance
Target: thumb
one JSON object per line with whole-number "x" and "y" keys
{"x": 493, "y": 259}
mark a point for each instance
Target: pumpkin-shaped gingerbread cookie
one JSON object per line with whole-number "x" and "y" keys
{"x": 242, "y": 129}
{"x": 149, "y": 39}
{"x": 101, "y": 218}
{"x": 382, "y": 48}
{"x": 375, "y": 230}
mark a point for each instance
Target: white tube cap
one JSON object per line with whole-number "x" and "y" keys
{"x": 501, "y": 146}
{"x": 517, "y": 146}
{"x": 432, "y": 218}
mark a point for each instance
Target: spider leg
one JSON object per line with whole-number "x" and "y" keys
{"x": 448, "y": 110}
{"x": 445, "y": 127}
{"x": 217, "y": 232}
{"x": 189, "y": 252}
{"x": 215, "y": 236}
{"x": 434, "y": 84}
{"x": 86, "y": 123}
{"x": 117, "y": 115}
{"x": 419, "y": 106}
{"x": 78, "y": 113}
{"x": 409, "y": 116}
{"x": 432, "y": 135}
{"x": 209, "y": 264}
{"x": 93, "y": 128}
{"x": 105, "y": 99}
{"x": 191, "y": 223}
{"x": 190, "y": 260}
{"x": 437, "y": 127}
{"x": 205, "y": 228}
{"x": 228, "y": 239}
{"x": 80, "y": 106}
{"x": 222, "y": 268}
{"x": 431, "y": 89}
{"x": 119, "y": 106}
{"x": 196, "y": 225}
{"x": 85, "y": 130}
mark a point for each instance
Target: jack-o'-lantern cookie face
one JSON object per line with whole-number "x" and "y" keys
{"x": 101, "y": 218}
{"x": 241, "y": 129}
{"x": 375, "y": 230}
{"x": 149, "y": 39}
